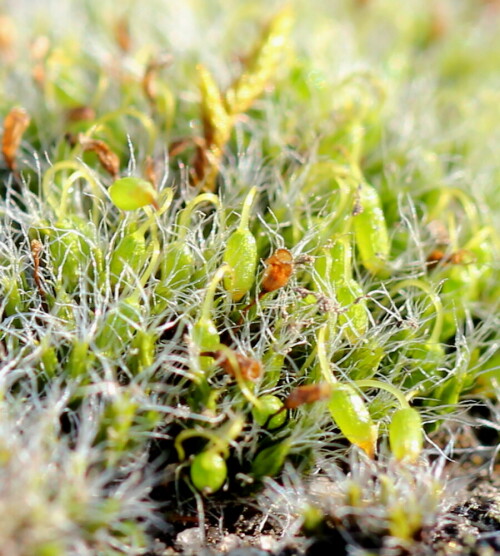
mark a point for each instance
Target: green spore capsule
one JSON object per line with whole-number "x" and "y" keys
{"x": 351, "y": 415}
{"x": 370, "y": 230}
{"x": 208, "y": 472}
{"x": 269, "y": 413}
{"x": 241, "y": 254}
{"x": 406, "y": 434}
{"x": 273, "y": 363}
{"x": 143, "y": 351}
{"x": 133, "y": 193}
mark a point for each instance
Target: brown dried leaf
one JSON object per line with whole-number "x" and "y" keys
{"x": 80, "y": 114}
{"x": 122, "y": 34}
{"x": 14, "y": 126}
{"x": 8, "y": 33}
{"x": 279, "y": 269}
{"x": 108, "y": 159}
{"x": 149, "y": 78}
{"x": 236, "y": 364}
{"x": 307, "y": 394}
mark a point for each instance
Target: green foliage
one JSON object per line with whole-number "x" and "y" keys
{"x": 137, "y": 337}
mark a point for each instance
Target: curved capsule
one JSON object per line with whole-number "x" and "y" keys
{"x": 406, "y": 434}
{"x": 133, "y": 193}
{"x": 370, "y": 230}
{"x": 351, "y": 415}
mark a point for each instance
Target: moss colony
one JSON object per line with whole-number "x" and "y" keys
{"x": 249, "y": 276}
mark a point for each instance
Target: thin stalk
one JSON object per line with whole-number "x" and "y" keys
{"x": 186, "y": 214}
{"x": 322, "y": 356}
{"x": 208, "y": 302}
{"x": 245, "y": 211}
{"x": 68, "y": 165}
{"x": 370, "y": 383}
{"x": 219, "y": 443}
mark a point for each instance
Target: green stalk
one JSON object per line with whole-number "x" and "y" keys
{"x": 370, "y": 383}
{"x": 186, "y": 214}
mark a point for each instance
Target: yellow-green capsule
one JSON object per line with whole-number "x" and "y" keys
{"x": 143, "y": 351}
{"x": 370, "y": 229}
{"x": 205, "y": 336}
{"x": 133, "y": 193}
{"x": 351, "y": 415}
{"x": 241, "y": 254}
{"x": 217, "y": 123}
{"x": 406, "y": 434}
{"x": 204, "y": 333}
{"x": 208, "y": 471}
